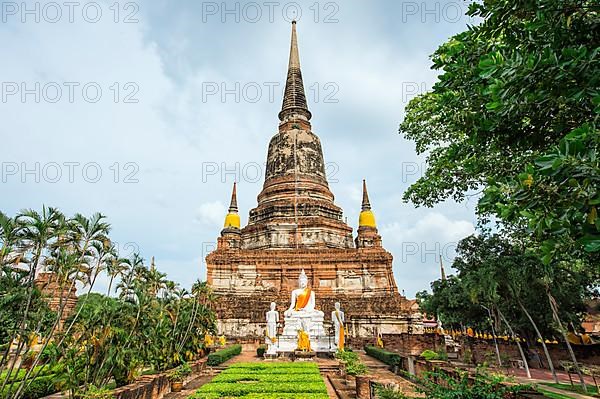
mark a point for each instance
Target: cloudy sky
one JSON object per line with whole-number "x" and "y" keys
{"x": 148, "y": 111}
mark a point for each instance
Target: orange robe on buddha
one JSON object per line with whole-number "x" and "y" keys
{"x": 302, "y": 299}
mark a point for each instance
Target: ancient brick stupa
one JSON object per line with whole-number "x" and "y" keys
{"x": 296, "y": 225}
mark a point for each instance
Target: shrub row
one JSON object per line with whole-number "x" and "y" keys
{"x": 37, "y": 388}
{"x": 390, "y": 358}
{"x": 273, "y": 366}
{"x": 268, "y": 377}
{"x": 228, "y": 389}
{"x": 218, "y": 357}
{"x": 269, "y": 371}
{"x": 266, "y": 381}
{"x": 263, "y": 396}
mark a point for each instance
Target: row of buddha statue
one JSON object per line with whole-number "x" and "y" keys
{"x": 302, "y": 321}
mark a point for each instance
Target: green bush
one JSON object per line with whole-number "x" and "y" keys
{"x": 260, "y": 351}
{"x": 37, "y": 388}
{"x": 389, "y": 358}
{"x": 346, "y": 356}
{"x": 353, "y": 364}
{"x": 356, "y": 368}
{"x": 94, "y": 392}
{"x": 218, "y": 357}
{"x": 180, "y": 372}
{"x": 440, "y": 385}
{"x": 428, "y": 354}
{"x": 389, "y": 392}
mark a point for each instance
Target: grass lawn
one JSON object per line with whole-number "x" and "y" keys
{"x": 591, "y": 389}
{"x": 553, "y": 395}
{"x": 277, "y": 380}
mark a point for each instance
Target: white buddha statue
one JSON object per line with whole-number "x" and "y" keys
{"x": 271, "y": 332}
{"x": 338, "y": 319}
{"x": 302, "y": 314}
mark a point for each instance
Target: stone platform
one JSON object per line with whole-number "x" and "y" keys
{"x": 287, "y": 344}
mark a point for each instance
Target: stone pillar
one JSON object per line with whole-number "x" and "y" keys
{"x": 411, "y": 365}
{"x": 363, "y": 387}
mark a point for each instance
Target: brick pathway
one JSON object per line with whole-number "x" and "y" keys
{"x": 546, "y": 375}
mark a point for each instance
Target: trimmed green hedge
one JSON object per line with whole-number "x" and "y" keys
{"x": 263, "y": 396}
{"x": 390, "y": 358}
{"x": 264, "y": 366}
{"x": 264, "y": 377}
{"x": 218, "y": 357}
{"x": 266, "y": 381}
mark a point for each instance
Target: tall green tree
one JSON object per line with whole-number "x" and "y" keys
{"x": 515, "y": 113}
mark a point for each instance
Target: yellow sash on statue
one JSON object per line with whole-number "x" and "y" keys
{"x": 303, "y": 341}
{"x": 302, "y": 299}
{"x": 341, "y": 333}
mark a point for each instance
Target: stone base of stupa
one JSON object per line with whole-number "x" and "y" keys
{"x": 244, "y": 317}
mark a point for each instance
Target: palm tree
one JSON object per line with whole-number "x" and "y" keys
{"x": 115, "y": 268}
{"x": 37, "y": 232}
{"x": 9, "y": 238}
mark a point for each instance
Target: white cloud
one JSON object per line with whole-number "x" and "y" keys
{"x": 417, "y": 247}
{"x": 211, "y": 214}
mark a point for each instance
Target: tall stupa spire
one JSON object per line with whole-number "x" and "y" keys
{"x": 294, "y": 99}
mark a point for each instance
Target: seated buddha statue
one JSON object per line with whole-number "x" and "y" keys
{"x": 302, "y": 303}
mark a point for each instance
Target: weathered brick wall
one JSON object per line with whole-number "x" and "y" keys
{"x": 254, "y": 307}
{"x": 404, "y": 344}
{"x": 57, "y": 295}
{"x": 146, "y": 387}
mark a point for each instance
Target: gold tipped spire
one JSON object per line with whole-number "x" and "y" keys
{"x": 294, "y": 99}
{"x": 232, "y": 220}
{"x": 366, "y": 218}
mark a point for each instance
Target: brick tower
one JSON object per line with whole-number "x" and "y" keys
{"x": 296, "y": 225}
